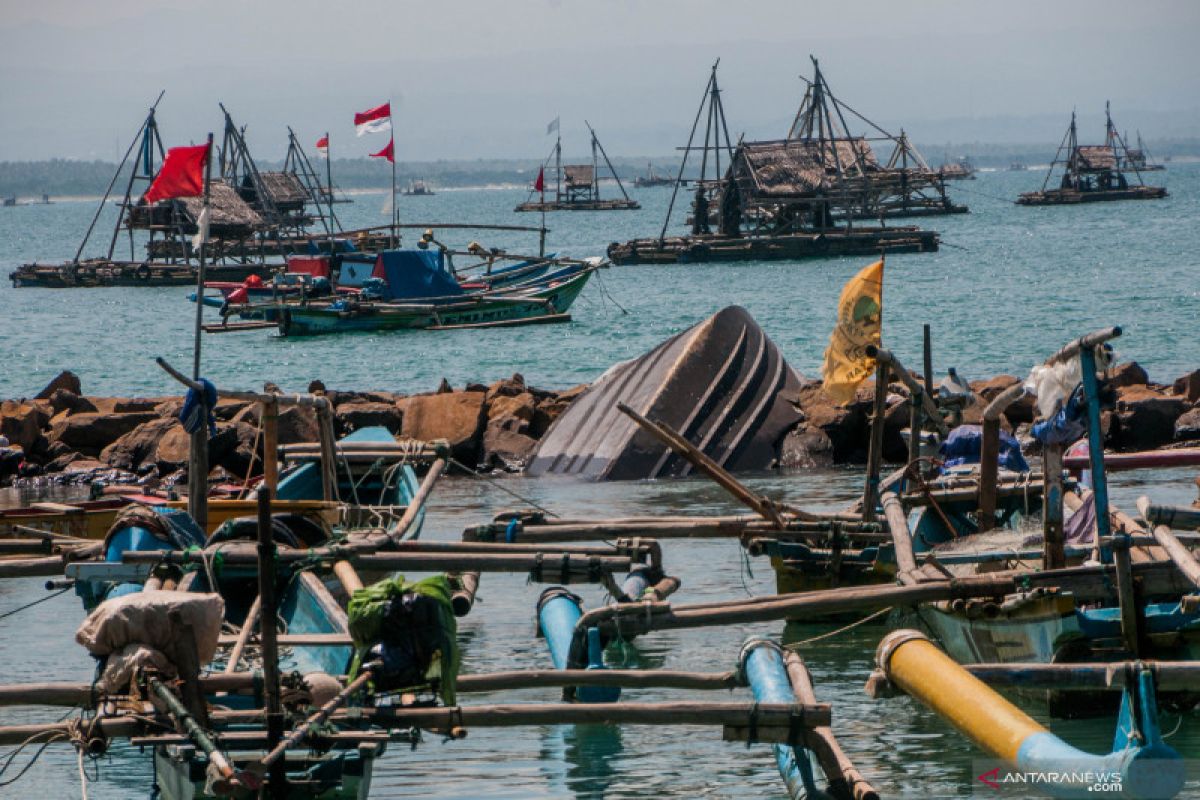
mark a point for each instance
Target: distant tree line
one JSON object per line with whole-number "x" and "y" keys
{"x": 59, "y": 176}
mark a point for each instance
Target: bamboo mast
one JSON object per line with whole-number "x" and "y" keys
{"x": 150, "y": 139}
{"x": 709, "y": 91}
{"x": 198, "y": 451}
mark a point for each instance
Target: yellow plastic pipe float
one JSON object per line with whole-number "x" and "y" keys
{"x": 1141, "y": 765}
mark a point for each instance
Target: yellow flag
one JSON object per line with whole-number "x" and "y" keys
{"x": 859, "y": 323}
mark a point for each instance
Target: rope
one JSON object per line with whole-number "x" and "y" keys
{"x": 34, "y": 603}
{"x": 843, "y": 629}
{"x": 496, "y": 483}
{"x": 253, "y": 457}
{"x": 605, "y": 293}
{"x": 54, "y": 737}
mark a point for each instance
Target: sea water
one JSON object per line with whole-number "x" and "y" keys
{"x": 1016, "y": 284}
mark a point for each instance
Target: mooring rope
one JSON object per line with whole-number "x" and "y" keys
{"x": 843, "y": 629}
{"x": 496, "y": 483}
{"x": 34, "y": 603}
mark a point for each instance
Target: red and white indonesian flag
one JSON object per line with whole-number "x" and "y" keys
{"x": 323, "y": 147}
{"x": 374, "y": 120}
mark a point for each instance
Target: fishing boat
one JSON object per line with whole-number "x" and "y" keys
{"x": 1092, "y": 173}
{"x": 85, "y": 519}
{"x": 443, "y": 304}
{"x": 650, "y": 179}
{"x": 960, "y": 169}
{"x": 418, "y": 188}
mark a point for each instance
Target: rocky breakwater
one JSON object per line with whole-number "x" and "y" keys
{"x": 1145, "y": 416}
{"x": 65, "y": 436}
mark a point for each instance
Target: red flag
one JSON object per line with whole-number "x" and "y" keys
{"x": 374, "y": 120}
{"x": 540, "y": 184}
{"x": 388, "y": 152}
{"x": 323, "y": 146}
{"x": 181, "y": 175}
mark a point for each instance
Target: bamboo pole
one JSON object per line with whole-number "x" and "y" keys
{"x": 1053, "y": 543}
{"x": 463, "y": 598}
{"x": 1171, "y": 516}
{"x": 766, "y": 507}
{"x": 277, "y": 779}
{"x": 398, "y": 533}
{"x": 235, "y": 655}
{"x": 875, "y": 446}
{"x": 229, "y": 779}
{"x": 1179, "y": 553}
{"x": 319, "y": 717}
{"x": 931, "y": 411}
{"x": 270, "y": 426}
{"x": 906, "y": 561}
{"x": 845, "y": 780}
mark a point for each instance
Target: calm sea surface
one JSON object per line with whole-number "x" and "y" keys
{"x": 1016, "y": 285}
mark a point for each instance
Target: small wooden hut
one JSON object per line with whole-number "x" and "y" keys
{"x": 1091, "y": 173}
{"x": 577, "y": 186}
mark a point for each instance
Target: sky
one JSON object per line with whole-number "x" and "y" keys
{"x": 482, "y": 78}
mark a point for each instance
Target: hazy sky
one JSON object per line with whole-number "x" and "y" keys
{"x": 481, "y": 78}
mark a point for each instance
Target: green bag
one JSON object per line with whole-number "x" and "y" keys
{"x": 367, "y": 613}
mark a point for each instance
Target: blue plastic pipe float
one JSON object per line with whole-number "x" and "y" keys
{"x": 762, "y": 668}
{"x": 1140, "y": 765}
{"x": 558, "y": 611}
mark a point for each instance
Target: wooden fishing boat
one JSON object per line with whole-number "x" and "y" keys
{"x": 651, "y": 179}
{"x": 86, "y": 519}
{"x": 546, "y": 301}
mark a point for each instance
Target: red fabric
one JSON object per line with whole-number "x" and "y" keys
{"x": 317, "y": 266}
{"x": 323, "y": 143}
{"x": 181, "y": 175}
{"x": 540, "y": 184}
{"x": 388, "y": 152}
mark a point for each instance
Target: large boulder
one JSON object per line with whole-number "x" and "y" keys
{"x": 233, "y": 448}
{"x": 20, "y": 423}
{"x": 506, "y": 449}
{"x": 1188, "y": 387}
{"x": 1146, "y": 417}
{"x": 805, "y": 448}
{"x": 172, "y": 450}
{"x": 64, "y": 380}
{"x": 296, "y": 423}
{"x": 66, "y": 400}
{"x": 1187, "y": 427}
{"x": 512, "y": 412}
{"x": 455, "y": 416}
{"x": 129, "y": 451}
{"x": 510, "y": 387}
{"x": 91, "y": 432}
{"x": 846, "y": 427}
{"x": 1130, "y": 373}
{"x": 357, "y": 415}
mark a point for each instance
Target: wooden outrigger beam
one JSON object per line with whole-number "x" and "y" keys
{"x": 782, "y": 723}
{"x": 1085, "y": 583}
{"x": 767, "y": 508}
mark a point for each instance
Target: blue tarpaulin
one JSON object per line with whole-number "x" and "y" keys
{"x": 416, "y": 274}
{"x": 965, "y": 442}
